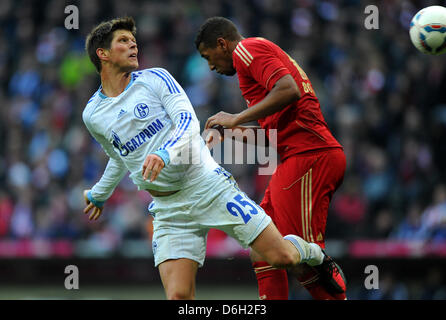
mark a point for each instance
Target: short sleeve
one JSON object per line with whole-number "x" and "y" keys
{"x": 260, "y": 62}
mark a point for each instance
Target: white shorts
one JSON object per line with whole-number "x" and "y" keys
{"x": 182, "y": 220}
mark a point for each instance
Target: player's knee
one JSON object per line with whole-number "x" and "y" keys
{"x": 254, "y": 256}
{"x": 180, "y": 295}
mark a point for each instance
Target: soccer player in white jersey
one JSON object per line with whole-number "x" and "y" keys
{"x": 146, "y": 124}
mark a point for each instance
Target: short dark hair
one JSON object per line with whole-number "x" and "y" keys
{"x": 213, "y": 28}
{"x": 102, "y": 35}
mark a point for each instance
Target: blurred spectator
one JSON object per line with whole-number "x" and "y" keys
{"x": 383, "y": 100}
{"x": 434, "y": 285}
{"x": 383, "y": 224}
{"x": 390, "y": 288}
{"x": 349, "y": 210}
{"x": 411, "y": 227}
{"x": 433, "y": 219}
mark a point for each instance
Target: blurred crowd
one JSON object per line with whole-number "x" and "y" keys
{"x": 382, "y": 99}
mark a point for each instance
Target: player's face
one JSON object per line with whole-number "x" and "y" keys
{"x": 124, "y": 51}
{"x": 218, "y": 58}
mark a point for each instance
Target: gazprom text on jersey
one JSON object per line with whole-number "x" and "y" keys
{"x": 138, "y": 140}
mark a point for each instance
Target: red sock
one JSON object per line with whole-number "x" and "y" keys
{"x": 312, "y": 283}
{"x": 272, "y": 282}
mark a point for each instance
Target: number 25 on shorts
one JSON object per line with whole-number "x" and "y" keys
{"x": 236, "y": 210}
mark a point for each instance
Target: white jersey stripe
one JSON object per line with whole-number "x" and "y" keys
{"x": 241, "y": 57}
{"x": 243, "y": 54}
{"x": 246, "y": 51}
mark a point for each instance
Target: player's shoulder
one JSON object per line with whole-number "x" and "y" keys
{"x": 92, "y": 104}
{"x": 255, "y": 43}
{"x": 153, "y": 73}
{"x": 250, "y": 48}
{"x": 160, "y": 76}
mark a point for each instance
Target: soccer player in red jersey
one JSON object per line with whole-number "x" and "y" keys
{"x": 279, "y": 96}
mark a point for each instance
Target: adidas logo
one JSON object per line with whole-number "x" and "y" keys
{"x": 121, "y": 113}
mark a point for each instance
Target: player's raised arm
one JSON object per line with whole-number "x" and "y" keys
{"x": 284, "y": 92}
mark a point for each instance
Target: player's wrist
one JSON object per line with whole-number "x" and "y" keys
{"x": 164, "y": 155}
{"x": 96, "y": 203}
{"x": 239, "y": 118}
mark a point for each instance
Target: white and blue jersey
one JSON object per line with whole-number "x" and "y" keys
{"x": 152, "y": 115}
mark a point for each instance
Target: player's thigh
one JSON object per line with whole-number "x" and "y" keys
{"x": 323, "y": 179}
{"x": 175, "y": 234}
{"x": 289, "y": 198}
{"x": 178, "y": 278}
{"x": 301, "y": 192}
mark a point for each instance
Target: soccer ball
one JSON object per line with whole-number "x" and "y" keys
{"x": 428, "y": 30}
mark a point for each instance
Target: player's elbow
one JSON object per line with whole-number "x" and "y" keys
{"x": 294, "y": 93}
{"x": 288, "y": 89}
{"x": 293, "y": 90}
{"x": 290, "y": 94}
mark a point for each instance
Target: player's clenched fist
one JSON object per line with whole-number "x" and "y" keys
{"x": 90, "y": 205}
{"x": 152, "y": 167}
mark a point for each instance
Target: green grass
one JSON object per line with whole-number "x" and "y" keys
{"x": 203, "y": 292}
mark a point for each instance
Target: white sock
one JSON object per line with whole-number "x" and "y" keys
{"x": 310, "y": 253}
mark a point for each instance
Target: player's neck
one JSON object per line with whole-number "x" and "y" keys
{"x": 234, "y": 44}
{"x": 114, "y": 83}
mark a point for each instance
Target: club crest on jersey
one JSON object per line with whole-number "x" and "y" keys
{"x": 141, "y": 110}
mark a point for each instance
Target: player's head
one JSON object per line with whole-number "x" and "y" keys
{"x": 215, "y": 42}
{"x": 113, "y": 43}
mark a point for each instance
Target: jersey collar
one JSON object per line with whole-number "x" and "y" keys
{"x": 103, "y": 96}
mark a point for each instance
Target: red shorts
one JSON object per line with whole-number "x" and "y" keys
{"x": 300, "y": 190}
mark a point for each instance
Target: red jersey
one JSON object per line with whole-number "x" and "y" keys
{"x": 300, "y": 126}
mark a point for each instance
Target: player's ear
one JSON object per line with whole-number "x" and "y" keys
{"x": 221, "y": 43}
{"x": 102, "y": 54}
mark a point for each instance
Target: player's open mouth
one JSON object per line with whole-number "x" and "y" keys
{"x": 133, "y": 55}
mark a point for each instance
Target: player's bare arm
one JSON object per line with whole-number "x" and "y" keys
{"x": 284, "y": 92}
{"x": 216, "y": 135}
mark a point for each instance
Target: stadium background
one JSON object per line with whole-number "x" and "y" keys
{"x": 383, "y": 100}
